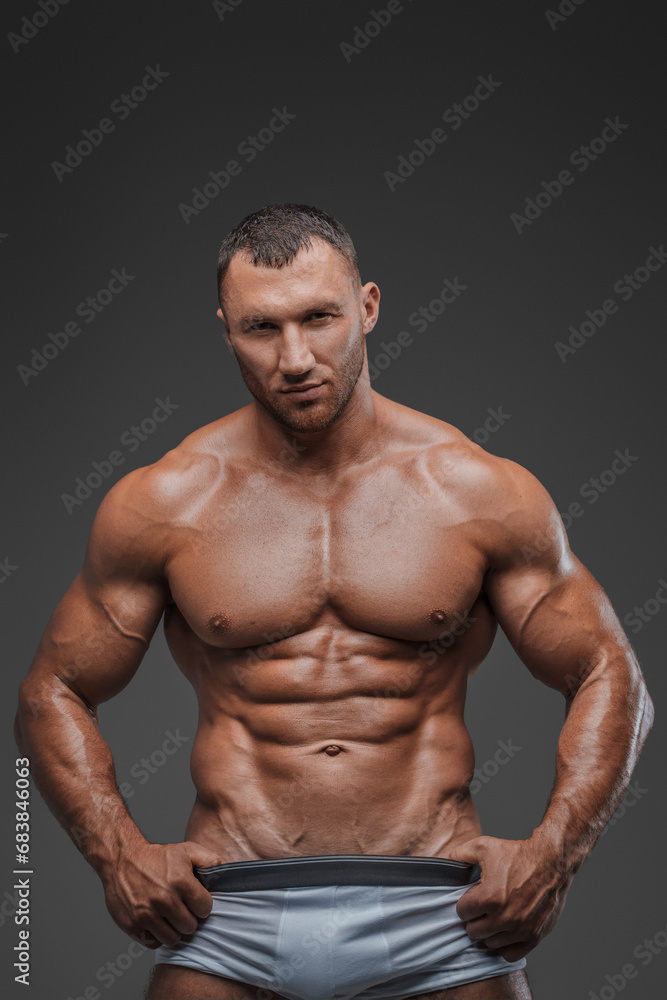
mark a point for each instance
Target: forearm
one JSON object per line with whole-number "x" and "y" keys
{"x": 73, "y": 769}
{"x": 607, "y": 721}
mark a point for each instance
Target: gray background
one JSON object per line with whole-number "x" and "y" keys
{"x": 494, "y": 347}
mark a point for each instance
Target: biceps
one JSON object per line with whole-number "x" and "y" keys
{"x": 97, "y": 637}
{"x": 558, "y": 619}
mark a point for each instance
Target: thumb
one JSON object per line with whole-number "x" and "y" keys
{"x": 201, "y": 856}
{"x": 470, "y": 852}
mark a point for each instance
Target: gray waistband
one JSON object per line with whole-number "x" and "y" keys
{"x": 335, "y": 869}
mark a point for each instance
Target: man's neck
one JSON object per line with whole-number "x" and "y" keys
{"x": 351, "y": 439}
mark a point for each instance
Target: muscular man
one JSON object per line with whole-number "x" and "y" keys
{"x": 331, "y": 567}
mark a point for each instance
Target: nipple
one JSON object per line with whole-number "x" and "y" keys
{"x": 438, "y": 616}
{"x": 219, "y": 624}
{"x": 332, "y": 750}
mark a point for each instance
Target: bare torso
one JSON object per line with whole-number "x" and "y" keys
{"x": 328, "y": 622}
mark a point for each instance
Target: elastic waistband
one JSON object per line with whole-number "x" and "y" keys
{"x": 335, "y": 869}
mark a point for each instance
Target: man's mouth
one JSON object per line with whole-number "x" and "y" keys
{"x": 309, "y": 390}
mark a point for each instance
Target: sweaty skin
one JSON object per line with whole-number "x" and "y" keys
{"x": 330, "y": 571}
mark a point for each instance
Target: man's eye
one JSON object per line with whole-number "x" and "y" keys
{"x": 319, "y": 315}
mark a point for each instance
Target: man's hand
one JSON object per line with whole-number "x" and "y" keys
{"x": 153, "y": 893}
{"x": 519, "y": 898}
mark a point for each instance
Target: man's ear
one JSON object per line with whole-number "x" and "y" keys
{"x": 221, "y": 316}
{"x": 370, "y": 304}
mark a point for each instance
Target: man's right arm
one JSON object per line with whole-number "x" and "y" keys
{"x": 91, "y": 648}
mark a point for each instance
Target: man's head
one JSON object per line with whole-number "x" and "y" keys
{"x": 295, "y": 312}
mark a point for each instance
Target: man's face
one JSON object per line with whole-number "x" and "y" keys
{"x": 298, "y": 326}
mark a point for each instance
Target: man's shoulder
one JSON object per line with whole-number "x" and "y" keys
{"x": 487, "y": 482}
{"x": 163, "y": 491}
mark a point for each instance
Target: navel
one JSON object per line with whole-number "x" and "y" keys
{"x": 332, "y": 750}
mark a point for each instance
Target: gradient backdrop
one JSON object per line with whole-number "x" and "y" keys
{"x": 541, "y": 200}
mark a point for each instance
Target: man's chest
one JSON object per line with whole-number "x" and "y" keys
{"x": 389, "y": 556}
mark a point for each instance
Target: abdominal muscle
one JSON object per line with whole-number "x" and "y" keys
{"x": 357, "y": 752}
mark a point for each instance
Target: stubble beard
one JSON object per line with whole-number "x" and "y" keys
{"x": 315, "y": 414}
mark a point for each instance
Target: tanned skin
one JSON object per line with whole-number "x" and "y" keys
{"x": 312, "y": 559}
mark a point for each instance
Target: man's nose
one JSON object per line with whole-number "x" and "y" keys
{"x": 296, "y": 356}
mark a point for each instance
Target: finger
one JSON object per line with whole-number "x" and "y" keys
{"x": 201, "y": 856}
{"x": 469, "y": 852}
{"x": 503, "y": 939}
{"x": 513, "y": 952}
{"x": 146, "y": 939}
{"x": 480, "y": 930}
{"x": 197, "y": 899}
{"x": 179, "y": 916}
{"x": 471, "y": 905}
{"x": 162, "y": 931}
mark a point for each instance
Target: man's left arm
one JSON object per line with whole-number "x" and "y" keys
{"x": 563, "y": 627}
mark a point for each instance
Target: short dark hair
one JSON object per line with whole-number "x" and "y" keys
{"x": 275, "y": 234}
